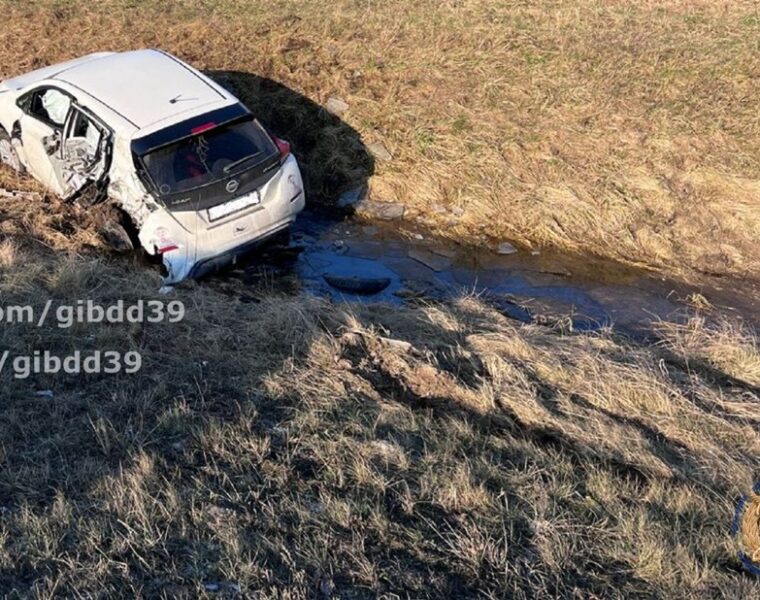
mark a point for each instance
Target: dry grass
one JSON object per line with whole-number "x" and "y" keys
{"x": 625, "y": 129}
{"x": 287, "y": 448}
{"x": 727, "y": 345}
{"x": 749, "y": 535}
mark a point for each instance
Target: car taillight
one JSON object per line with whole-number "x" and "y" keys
{"x": 283, "y": 147}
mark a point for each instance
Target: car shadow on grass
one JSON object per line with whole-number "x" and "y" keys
{"x": 331, "y": 153}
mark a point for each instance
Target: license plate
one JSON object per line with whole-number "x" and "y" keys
{"x": 222, "y": 210}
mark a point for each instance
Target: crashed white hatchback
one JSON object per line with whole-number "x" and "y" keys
{"x": 200, "y": 178}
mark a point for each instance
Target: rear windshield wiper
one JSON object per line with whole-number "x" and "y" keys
{"x": 240, "y": 161}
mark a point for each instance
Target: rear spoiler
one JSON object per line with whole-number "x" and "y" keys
{"x": 190, "y": 127}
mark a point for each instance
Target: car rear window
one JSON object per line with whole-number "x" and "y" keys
{"x": 213, "y": 153}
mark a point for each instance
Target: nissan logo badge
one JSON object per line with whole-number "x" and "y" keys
{"x": 232, "y": 186}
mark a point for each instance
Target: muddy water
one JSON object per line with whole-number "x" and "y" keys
{"x": 530, "y": 286}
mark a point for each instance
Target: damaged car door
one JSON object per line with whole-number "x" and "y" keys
{"x": 63, "y": 145}
{"x": 84, "y": 152}
{"x": 40, "y": 130}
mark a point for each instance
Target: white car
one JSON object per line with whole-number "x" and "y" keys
{"x": 200, "y": 178}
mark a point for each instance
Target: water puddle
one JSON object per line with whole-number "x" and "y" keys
{"x": 331, "y": 258}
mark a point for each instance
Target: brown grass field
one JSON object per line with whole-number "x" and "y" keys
{"x": 622, "y": 129}
{"x": 289, "y": 447}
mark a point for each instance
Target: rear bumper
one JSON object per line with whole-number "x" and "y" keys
{"x": 214, "y": 264}
{"x": 198, "y": 248}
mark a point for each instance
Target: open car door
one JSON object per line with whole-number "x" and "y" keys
{"x": 84, "y": 155}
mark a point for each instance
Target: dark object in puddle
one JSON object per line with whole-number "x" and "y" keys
{"x": 358, "y": 285}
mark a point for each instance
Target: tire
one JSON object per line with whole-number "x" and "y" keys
{"x": 8, "y": 155}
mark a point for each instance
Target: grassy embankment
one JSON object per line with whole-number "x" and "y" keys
{"x": 284, "y": 447}
{"x": 287, "y": 447}
{"x": 624, "y": 129}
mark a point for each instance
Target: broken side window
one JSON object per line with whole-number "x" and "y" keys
{"x": 50, "y": 106}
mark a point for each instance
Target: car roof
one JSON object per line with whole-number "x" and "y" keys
{"x": 145, "y": 87}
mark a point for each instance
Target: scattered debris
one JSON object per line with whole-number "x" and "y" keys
{"x": 432, "y": 261}
{"x": 385, "y": 211}
{"x": 44, "y": 393}
{"x": 418, "y": 236}
{"x": 380, "y": 152}
{"x": 535, "y": 252}
{"x": 358, "y": 285}
{"x": 438, "y": 209}
{"x": 457, "y": 211}
{"x": 336, "y": 106}
{"x": 505, "y": 248}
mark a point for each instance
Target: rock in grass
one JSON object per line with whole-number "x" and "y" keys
{"x": 385, "y": 211}
{"x": 351, "y": 197}
{"x": 380, "y": 152}
{"x": 336, "y": 106}
{"x": 505, "y": 248}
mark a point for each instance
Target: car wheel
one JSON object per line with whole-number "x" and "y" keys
{"x": 8, "y": 154}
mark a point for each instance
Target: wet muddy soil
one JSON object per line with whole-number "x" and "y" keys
{"x": 355, "y": 260}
